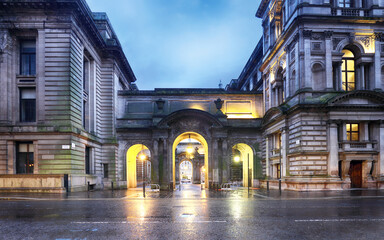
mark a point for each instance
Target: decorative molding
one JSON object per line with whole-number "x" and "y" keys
{"x": 5, "y": 41}
{"x": 307, "y": 33}
{"x": 317, "y": 36}
{"x": 366, "y": 40}
{"x": 379, "y": 36}
{"x": 317, "y": 46}
{"x": 336, "y": 41}
{"x": 328, "y": 34}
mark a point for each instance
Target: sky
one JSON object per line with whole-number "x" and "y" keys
{"x": 184, "y": 43}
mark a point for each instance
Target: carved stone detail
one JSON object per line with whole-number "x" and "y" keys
{"x": 336, "y": 41}
{"x": 328, "y": 34}
{"x": 5, "y": 41}
{"x": 366, "y": 40}
{"x": 307, "y": 33}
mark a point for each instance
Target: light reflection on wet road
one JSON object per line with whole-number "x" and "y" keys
{"x": 187, "y": 216}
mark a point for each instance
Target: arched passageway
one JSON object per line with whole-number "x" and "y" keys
{"x": 204, "y": 151}
{"x": 138, "y": 165}
{"x": 242, "y": 164}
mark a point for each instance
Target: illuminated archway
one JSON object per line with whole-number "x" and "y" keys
{"x": 132, "y": 155}
{"x": 244, "y": 153}
{"x": 201, "y": 139}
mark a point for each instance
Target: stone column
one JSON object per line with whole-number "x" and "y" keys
{"x": 11, "y": 158}
{"x": 362, "y": 77}
{"x": 287, "y": 73}
{"x": 377, "y": 61}
{"x": 333, "y": 159}
{"x": 283, "y": 167}
{"x": 270, "y": 91}
{"x": 267, "y": 157}
{"x": 328, "y": 60}
{"x": 366, "y": 132}
{"x": 155, "y": 162}
{"x": 307, "y": 58}
{"x": 297, "y": 65}
{"x": 381, "y": 149}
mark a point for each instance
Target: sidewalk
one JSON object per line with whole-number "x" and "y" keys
{"x": 194, "y": 192}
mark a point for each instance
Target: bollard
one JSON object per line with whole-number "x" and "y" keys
{"x": 267, "y": 185}
{"x": 280, "y": 186}
{"x": 112, "y": 185}
{"x": 88, "y": 186}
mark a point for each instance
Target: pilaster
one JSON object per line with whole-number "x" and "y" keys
{"x": 333, "y": 160}
{"x": 328, "y": 60}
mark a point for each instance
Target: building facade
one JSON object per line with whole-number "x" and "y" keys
{"x": 323, "y": 80}
{"x": 61, "y": 66}
{"x": 306, "y": 112}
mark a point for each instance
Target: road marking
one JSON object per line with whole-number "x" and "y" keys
{"x": 155, "y": 222}
{"x": 342, "y": 220}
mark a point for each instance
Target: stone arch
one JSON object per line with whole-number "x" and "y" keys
{"x": 353, "y": 46}
{"x": 318, "y": 76}
{"x": 246, "y": 158}
{"x": 132, "y": 154}
{"x": 204, "y": 143}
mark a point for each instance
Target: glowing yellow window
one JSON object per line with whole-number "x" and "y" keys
{"x": 352, "y": 131}
{"x": 348, "y": 71}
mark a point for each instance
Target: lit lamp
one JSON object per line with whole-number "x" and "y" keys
{"x": 236, "y": 155}
{"x": 189, "y": 147}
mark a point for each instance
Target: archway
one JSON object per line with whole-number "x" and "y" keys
{"x": 134, "y": 154}
{"x": 242, "y": 154}
{"x": 203, "y": 142}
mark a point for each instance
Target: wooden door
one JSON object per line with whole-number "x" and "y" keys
{"x": 356, "y": 170}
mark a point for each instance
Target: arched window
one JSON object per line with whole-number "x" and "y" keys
{"x": 318, "y": 76}
{"x": 348, "y": 71}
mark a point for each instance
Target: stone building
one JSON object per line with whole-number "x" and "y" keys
{"x": 323, "y": 80}
{"x": 306, "y": 112}
{"x": 61, "y": 66}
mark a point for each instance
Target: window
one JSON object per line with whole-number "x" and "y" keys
{"x": 105, "y": 167}
{"x": 87, "y": 160}
{"x": 24, "y": 157}
{"x": 352, "y": 131}
{"x": 28, "y": 57}
{"x": 27, "y": 105}
{"x": 345, "y": 3}
{"x": 348, "y": 71}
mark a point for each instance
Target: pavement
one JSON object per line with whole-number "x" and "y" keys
{"x": 193, "y": 191}
{"x": 192, "y": 213}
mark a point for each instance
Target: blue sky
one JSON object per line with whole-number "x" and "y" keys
{"x": 184, "y": 43}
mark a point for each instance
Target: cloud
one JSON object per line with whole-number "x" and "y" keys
{"x": 184, "y": 43}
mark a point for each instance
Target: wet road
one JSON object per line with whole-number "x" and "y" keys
{"x": 193, "y": 214}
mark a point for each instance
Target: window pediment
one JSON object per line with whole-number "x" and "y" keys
{"x": 358, "y": 98}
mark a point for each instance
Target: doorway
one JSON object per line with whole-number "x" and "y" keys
{"x": 356, "y": 174}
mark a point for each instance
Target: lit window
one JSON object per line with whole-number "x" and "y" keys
{"x": 352, "y": 131}
{"x": 24, "y": 157}
{"x": 27, "y": 105}
{"x": 348, "y": 71}
{"x": 28, "y": 58}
